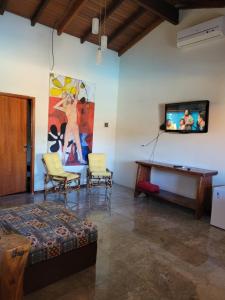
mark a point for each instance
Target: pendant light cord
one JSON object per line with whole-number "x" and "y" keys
{"x": 100, "y": 24}
{"x": 104, "y": 18}
{"x": 52, "y": 50}
{"x": 52, "y": 46}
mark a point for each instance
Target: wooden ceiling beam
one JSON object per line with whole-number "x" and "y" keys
{"x": 70, "y": 14}
{"x": 138, "y": 37}
{"x": 3, "y": 4}
{"x": 201, "y": 4}
{"x": 39, "y": 10}
{"x": 109, "y": 11}
{"x": 162, "y": 9}
{"x": 137, "y": 14}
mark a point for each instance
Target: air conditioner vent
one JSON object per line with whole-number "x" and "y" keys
{"x": 202, "y": 32}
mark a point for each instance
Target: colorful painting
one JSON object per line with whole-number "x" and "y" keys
{"x": 71, "y": 119}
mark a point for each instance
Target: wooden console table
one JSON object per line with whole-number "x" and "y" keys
{"x": 204, "y": 190}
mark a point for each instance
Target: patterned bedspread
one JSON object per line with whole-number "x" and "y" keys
{"x": 51, "y": 228}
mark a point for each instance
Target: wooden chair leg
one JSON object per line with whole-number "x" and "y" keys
{"x": 45, "y": 187}
{"x": 89, "y": 185}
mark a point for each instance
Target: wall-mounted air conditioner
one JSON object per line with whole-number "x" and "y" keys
{"x": 206, "y": 31}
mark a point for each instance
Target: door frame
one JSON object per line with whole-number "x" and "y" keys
{"x": 32, "y": 101}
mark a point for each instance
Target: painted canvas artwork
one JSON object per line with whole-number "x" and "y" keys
{"x": 71, "y": 119}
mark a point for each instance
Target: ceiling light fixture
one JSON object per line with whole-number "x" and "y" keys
{"x": 104, "y": 37}
{"x": 95, "y": 25}
{"x": 99, "y": 56}
{"x": 104, "y": 42}
{"x": 99, "y": 50}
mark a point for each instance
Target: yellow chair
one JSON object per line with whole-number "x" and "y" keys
{"x": 61, "y": 180}
{"x": 97, "y": 173}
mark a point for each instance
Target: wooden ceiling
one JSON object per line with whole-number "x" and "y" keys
{"x": 126, "y": 21}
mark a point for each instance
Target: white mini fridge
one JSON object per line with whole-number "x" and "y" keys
{"x": 218, "y": 207}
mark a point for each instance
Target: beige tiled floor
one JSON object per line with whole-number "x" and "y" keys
{"x": 146, "y": 250}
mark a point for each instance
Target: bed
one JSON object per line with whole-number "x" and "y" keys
{"x": 61, "y": 243}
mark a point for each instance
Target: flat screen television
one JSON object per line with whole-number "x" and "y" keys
{"x": 187, "y": 117}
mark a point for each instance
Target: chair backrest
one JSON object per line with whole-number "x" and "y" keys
{"x": 53, "y": 163}
{"x": 97, "y": 162}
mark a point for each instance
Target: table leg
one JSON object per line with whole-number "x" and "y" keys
{"x": 143, "y": 174}
{"x": 204, "y": 194}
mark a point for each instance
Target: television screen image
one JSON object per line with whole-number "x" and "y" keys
{"x": 187, "y": 117}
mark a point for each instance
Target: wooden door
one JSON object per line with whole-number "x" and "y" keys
{"x": 13, "y": 141}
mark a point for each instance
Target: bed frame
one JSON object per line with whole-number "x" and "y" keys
{"x": 41, "y": 274}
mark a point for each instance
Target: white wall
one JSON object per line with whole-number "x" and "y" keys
{"x": 155, "y": 72}
{"x": 25, "y": 63}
